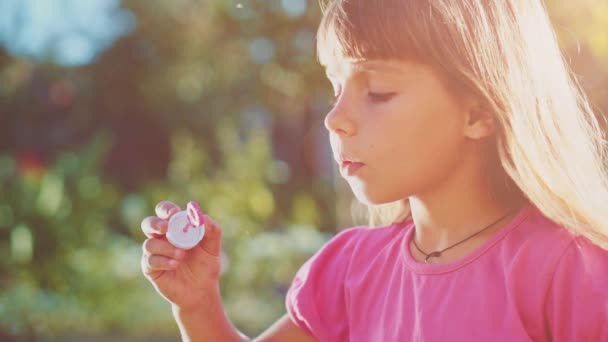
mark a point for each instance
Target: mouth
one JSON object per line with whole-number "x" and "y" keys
{"x": 350, "y": 168}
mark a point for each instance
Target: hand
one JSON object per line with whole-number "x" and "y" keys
{"x": 185, "y": 278}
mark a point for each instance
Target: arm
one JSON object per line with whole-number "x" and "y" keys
{"x": 195, "y": 325}
{"x": 284, "y": 330}
{"x": 189, "y": 280}
{"x": 209, "y": 323}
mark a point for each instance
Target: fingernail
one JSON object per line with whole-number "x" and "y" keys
{"x": 179, "y": 253}
{"x": 173, "y": 263}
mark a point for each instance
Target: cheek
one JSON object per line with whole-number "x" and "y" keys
{"x": 435, "y": 124}
{"x": 426, "y": 145}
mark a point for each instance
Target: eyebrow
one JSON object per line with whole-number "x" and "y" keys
{"x": 376, "y": 66}
{"x": 362, "y": 71}
{"x": 367, "y": 67}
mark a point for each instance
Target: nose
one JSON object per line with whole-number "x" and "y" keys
{"x": 339, "y": 121}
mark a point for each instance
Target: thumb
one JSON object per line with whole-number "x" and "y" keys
{"x": 212, "y": 241}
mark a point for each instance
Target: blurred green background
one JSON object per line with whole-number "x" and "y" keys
{"x": 108, "y": 106}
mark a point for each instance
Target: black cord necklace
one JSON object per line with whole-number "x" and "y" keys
{"x": 437, "y": 254}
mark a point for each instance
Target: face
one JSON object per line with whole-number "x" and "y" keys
{"x": 400, "y": 121}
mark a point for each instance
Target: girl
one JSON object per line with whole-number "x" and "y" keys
{"x": 460, "y": 119}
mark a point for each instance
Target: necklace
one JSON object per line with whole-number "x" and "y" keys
{"x": 437, "y": 254}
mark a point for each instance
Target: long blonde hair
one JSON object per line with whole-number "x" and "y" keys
{"x": 549, "y": 142}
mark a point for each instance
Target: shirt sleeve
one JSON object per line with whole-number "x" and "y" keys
{"x": 315, "y": 300}
{"x": 577, "y": 304}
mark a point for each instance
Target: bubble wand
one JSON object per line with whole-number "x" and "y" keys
{"x": 186, "y": 228}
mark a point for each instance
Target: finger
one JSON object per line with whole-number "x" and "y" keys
{"x": 154, "y": 227}
{"x": 166, "y": 209}
{"x": 162, "y": 248}
{"x": 155, "y": 263}
{"x": 212, "y": 242}
{"x": 151, "y": 274}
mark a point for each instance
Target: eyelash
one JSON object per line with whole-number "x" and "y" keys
{"x": 374, "y": 97}
{"x": 380, "y": 97}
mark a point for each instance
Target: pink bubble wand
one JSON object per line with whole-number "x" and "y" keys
{"x": 187, "y": 227}
{"x": 195, "y": 216}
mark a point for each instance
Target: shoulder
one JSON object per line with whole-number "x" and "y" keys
{"x": 549, "y": 239}
{"x": 538, "y": 249}
{"x": 559, "y": 272}
{"x": 536, "y": 229}
{"x": 583, "y": 262}
{"x": 332, "y": 262}
{"x": 315, "y": 301}
{"x": 577, "y": 302}
{"x": 545, "y": 247}
{"x": 538, "y": 242}
{"x": 572, "y": 271}
{"x": 358, "y": 240}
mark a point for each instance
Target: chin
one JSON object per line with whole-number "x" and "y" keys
{"x": 369, "y": 197}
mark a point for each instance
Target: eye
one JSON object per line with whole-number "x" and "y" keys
{"x": 380, "y": 97}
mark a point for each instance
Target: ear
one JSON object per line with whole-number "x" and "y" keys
{"x": 480, "y": 122}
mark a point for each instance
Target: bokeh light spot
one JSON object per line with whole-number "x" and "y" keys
{"x": 294, "y": 8}
{"x": 22, "y": 244}
{"x": 278, "y": 172}
{"x": 262, "y": 50}
{"x": 51, "y": 194}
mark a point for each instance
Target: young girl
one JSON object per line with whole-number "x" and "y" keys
{"x": 460, "y": 119}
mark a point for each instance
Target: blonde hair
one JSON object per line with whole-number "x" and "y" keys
{"x": 549, "y": 142}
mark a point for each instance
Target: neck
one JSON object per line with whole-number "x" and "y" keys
{"x": 458, "y": 208}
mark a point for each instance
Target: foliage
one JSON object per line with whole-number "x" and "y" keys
{"x": 216, "y": 101}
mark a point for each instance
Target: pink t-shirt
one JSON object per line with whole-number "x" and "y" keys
{"x": 532, "y": 281}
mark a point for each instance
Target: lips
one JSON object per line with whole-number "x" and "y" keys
{"x": 350, "y": 168}
{"x": 347, "y": 159}
{"x": 348, "y": 164}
